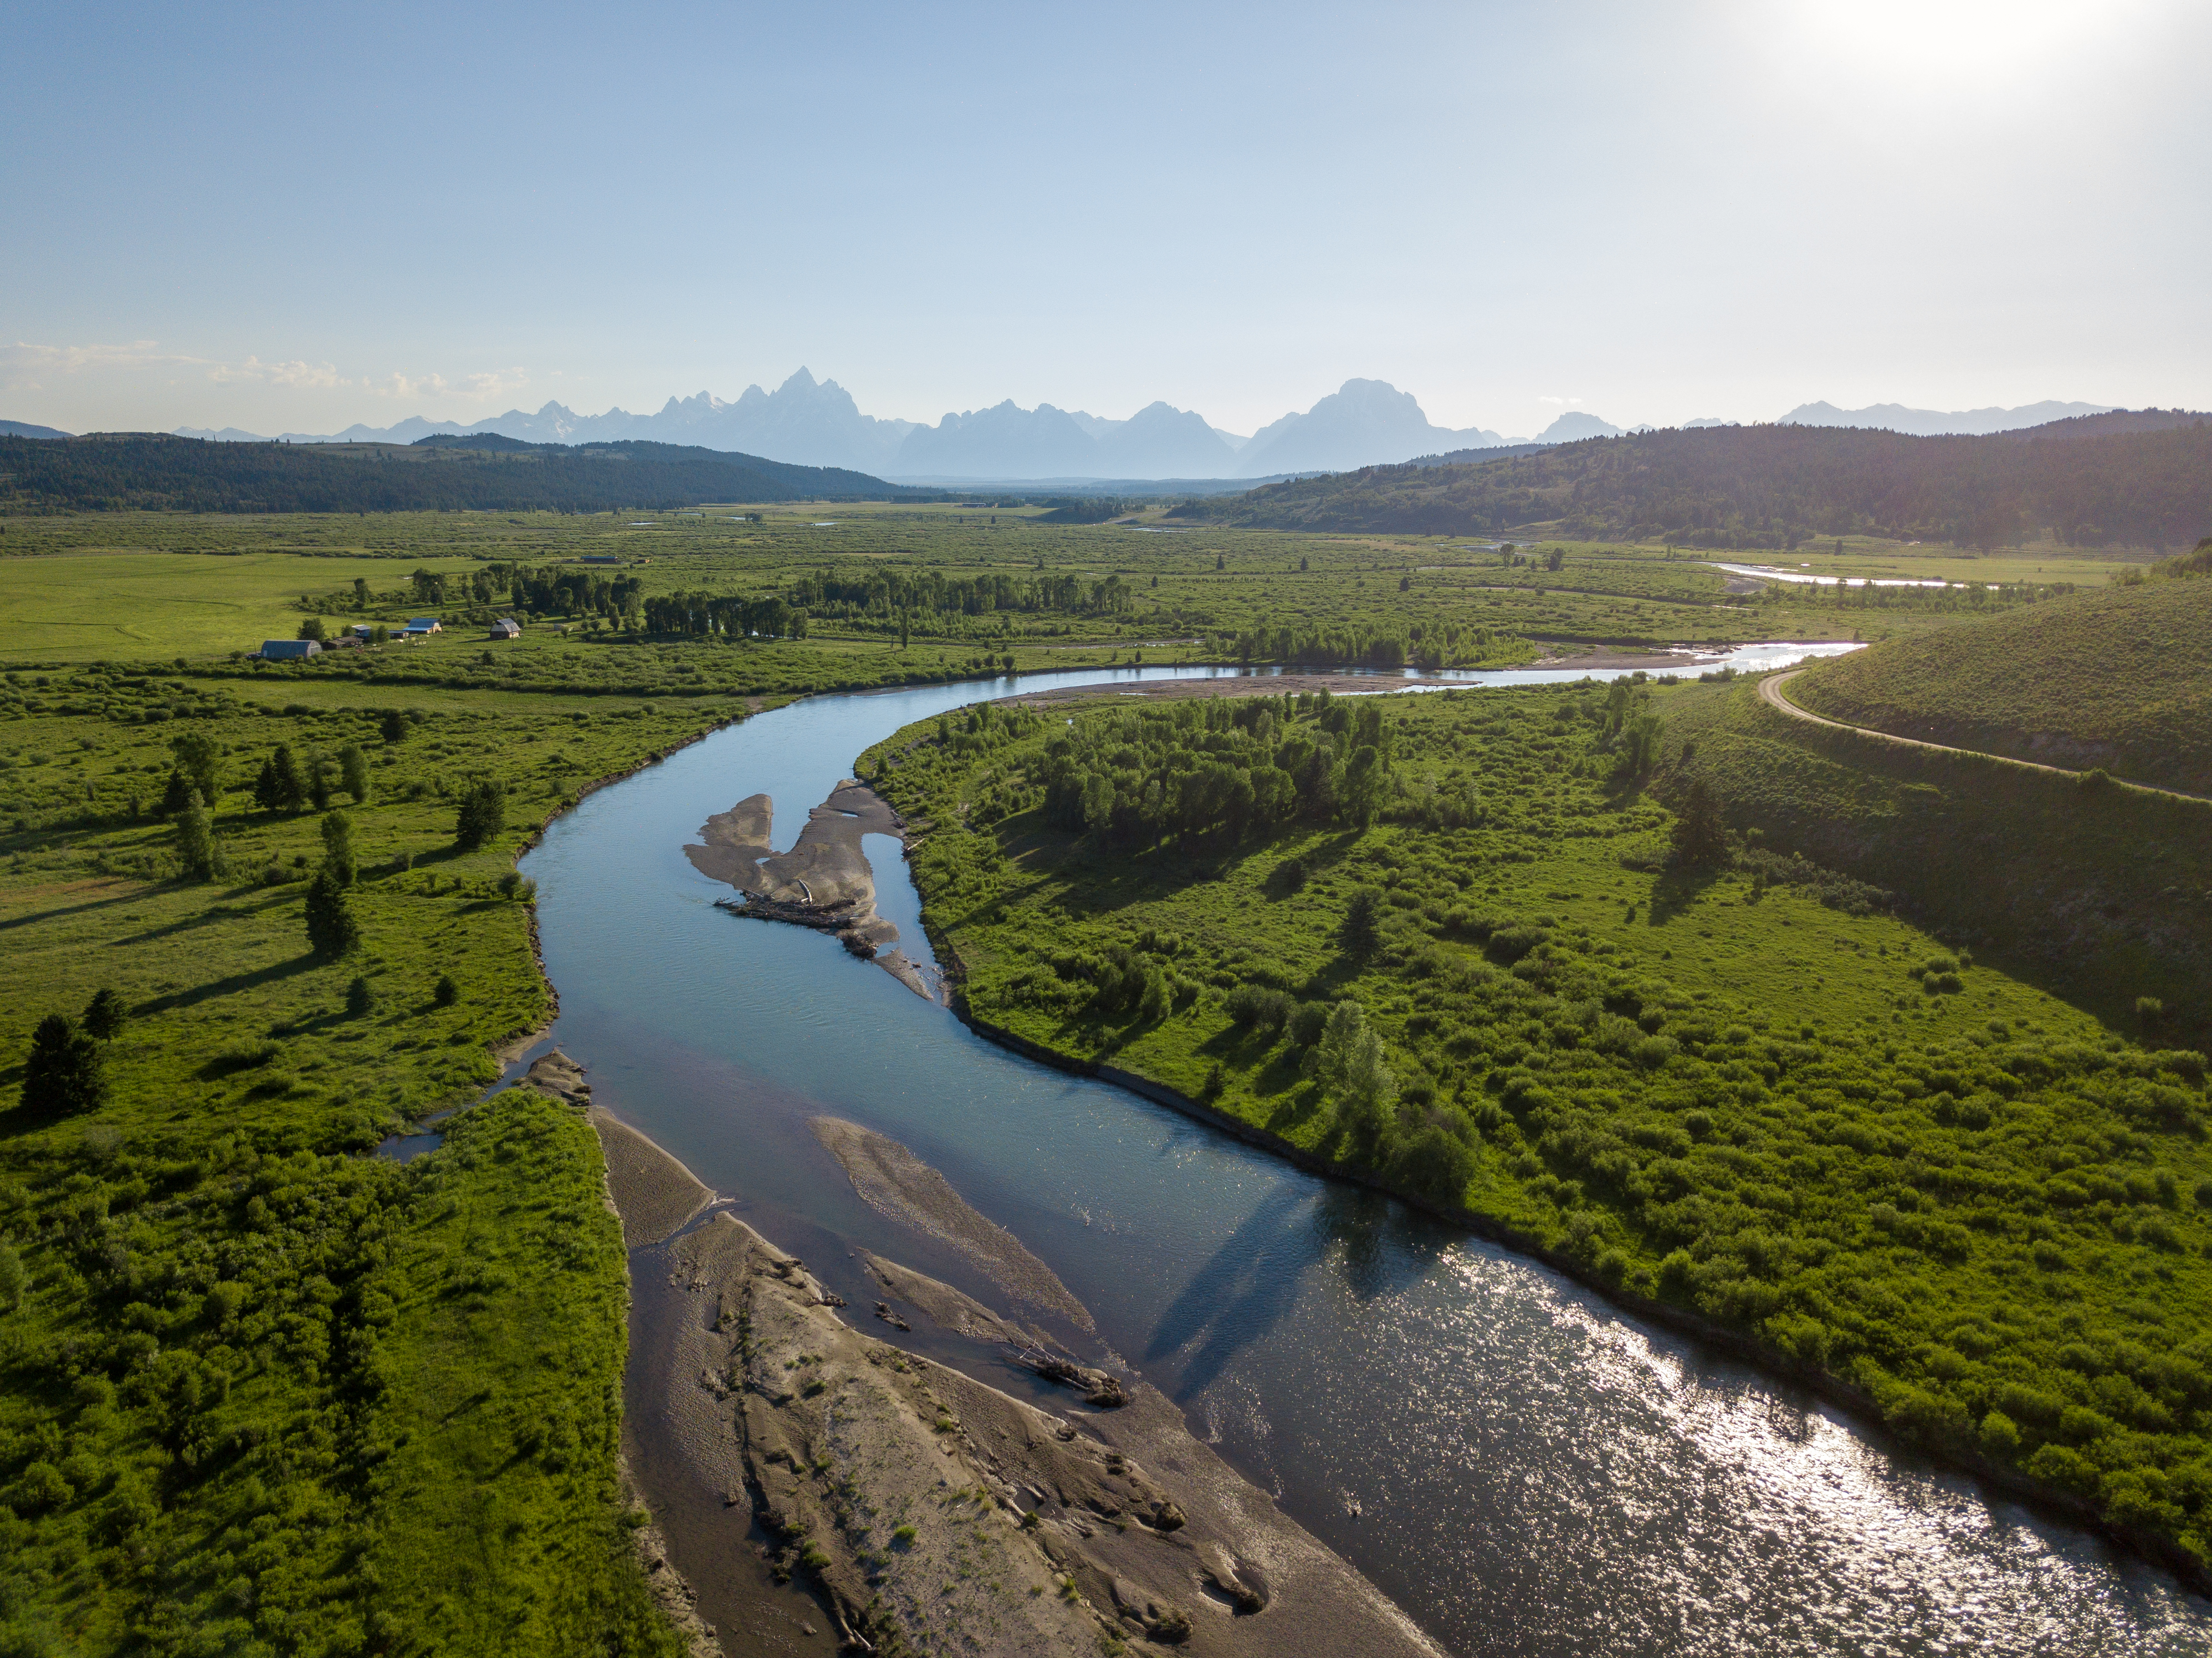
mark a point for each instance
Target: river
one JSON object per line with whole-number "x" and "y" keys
{"x": 1522, "y": 1468}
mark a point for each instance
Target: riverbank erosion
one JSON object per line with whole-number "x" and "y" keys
{"x": 922, "y": 1508}
{"x": 824, "y": 882}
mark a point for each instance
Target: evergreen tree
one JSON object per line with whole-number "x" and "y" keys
{"x": 318, "y": 785}
{"x": 179, "y": 793}
{"x": 392, "y": 728}
{"x": 1700, "y": 837}
{"x": 104, "y": 1016}
{"x": 338, "y": 848}
{"x": 290, "y": 787}
{"x": 482, "y": 814}
{"x": 63, "y": 1071}
{"x": 196, "y": 847}
{"x": 360, "y": 999}
{"x": 332, "y": 933}
{"x": 1361, "y": 931}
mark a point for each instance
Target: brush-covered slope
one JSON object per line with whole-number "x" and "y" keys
{"x": 1771, "y": 486}
{"x": 2120, "y": 678}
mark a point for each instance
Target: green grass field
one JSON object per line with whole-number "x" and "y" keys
{"x": 1748, "y": 1086}
{"x": 2120, "y": 679}
{"x": 259, "y": 1390}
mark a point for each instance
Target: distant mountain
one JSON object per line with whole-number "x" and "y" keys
{"x": 19, "y": 429}
{"x": 1158, "y": 441}
{"x": 1574, "y": 426}
{"x": 1004, "y": 441}
{"x": 1362, "y": 423}
{"x": 803, "y": 422}
{"x": 811, "y": 422}
{"x": 1929, "y": 422}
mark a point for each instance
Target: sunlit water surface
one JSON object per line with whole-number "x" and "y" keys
{"x": 1531, "y": 1472}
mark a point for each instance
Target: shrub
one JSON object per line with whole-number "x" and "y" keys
{"x": 1308, "y": 1021}
{"x": 1255, "y": 1007}
{"x": 444, "y": 993}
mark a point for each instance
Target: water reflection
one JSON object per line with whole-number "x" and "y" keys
{"x": 1533, "y": 1473}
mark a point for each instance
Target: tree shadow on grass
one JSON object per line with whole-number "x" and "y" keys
{"x": 1676, "y": 889}
{"x": 231, "y": 985}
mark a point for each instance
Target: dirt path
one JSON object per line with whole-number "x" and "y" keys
{"x": 1769, "y": 690}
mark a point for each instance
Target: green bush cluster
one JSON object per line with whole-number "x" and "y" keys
{"x": 1745, "y": 1087}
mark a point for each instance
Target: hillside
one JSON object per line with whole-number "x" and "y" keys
{"x": 112, "y": 471}
{"x": 1773, "y": 486}
{"x": 2120, "y": 678}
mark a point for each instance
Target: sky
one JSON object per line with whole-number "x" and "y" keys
{"x": 296, "y": 217}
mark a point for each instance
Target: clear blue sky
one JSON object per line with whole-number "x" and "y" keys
{"x": 299, "y": 216}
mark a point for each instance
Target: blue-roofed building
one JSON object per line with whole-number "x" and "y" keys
{"x": 421, "y": 627}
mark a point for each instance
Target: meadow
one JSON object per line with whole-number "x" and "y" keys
{"x": 2121, "y": 679}
{"x": 1456, "y": 943}
{"x": 260, "y": 1391}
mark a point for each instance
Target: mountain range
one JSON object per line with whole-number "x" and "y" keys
{"x": 806, "y": 421}
{"x": 811, "y": 423}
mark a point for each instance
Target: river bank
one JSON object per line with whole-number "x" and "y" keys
{"x": 1498, "y": 1451}
{"x": 915, "y": 1503}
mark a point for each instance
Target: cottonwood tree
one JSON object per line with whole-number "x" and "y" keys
{"x": 338, "y": 848}
{"x": 200, "y": 761}
{"x": 197, "y": 850}
{"x": 353, "y": 769}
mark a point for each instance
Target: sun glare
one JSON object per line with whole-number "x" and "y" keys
{"x": 1967, "y": 43}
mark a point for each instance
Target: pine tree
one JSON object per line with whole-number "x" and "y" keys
{"x": 63, "y": 1071}
{"x": 332, "y": 933}
{"x": 1700, "y": 837}
{"x": 104, "y": 1016}
{"x": 1362, "y": 928}
{"x": 392, "y": 728}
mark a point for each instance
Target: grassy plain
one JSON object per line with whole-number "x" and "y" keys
{"x": 1750, "y": 1086}
{"x": 260, "y": 1390}
{"x": 148, "y": 598}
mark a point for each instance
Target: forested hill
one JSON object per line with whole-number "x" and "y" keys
{"x": 1774, "y": 486}
{"x": 142, "y": 470}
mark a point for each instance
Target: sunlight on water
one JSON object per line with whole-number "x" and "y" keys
{"x": 1523, "y": 1469}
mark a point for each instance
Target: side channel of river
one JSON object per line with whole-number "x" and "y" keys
{"x": 1520, "y": 1468}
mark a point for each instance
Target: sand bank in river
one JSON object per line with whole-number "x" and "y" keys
{"x": 823, "y": 882}
{"x": 896, "y": 1183}
{"x": 923, "y": 1508}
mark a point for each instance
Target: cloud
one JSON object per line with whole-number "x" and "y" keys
{"x": 307, "y": 375}
{"x": 24, "y": 366}
{"x": 1561, "y": 402}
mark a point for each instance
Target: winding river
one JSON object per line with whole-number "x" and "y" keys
{"x": 1522, "y": 1468}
